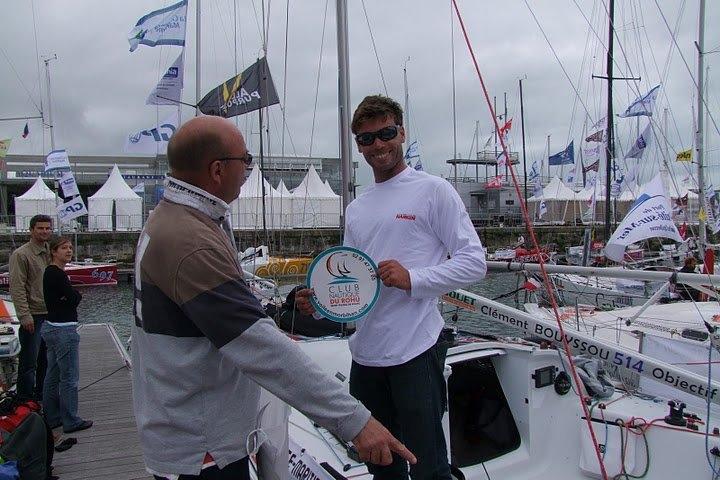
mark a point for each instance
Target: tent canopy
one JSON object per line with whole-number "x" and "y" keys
{"x": 38, "y": 200}
{"x": 555, "y": 190}
{"x": 127, "y": 205}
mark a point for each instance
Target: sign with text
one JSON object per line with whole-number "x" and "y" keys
{"x": 57, "y": 160}
{"x": 71, "y": 209}
{"x": 346, "y": 284}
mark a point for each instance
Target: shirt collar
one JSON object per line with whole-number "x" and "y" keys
{"x": 39, "y": 249}
{"x": 189, "y": 195}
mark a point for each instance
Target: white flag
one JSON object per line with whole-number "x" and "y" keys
{"x": 68, "y": 184}
{"x": 599, "y": 125}
{"x": 413, "y": 150}
{"x": 649, "y": 217}
{"x": 153, "y": 140}
{"x": 641, "y": 143}
{"x": 543, "y": 209}
{"x": 168, "y": 91}
{"x": 57, "y": 160}
{"x": 160, "y": 27}
{"x": 570, "y": 176}
{"x": 71, "y": 209}
{"x": 642, "y": 105}
{"x": 139, "y": 188}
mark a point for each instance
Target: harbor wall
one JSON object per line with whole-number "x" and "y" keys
{"x": 120, "y": 246}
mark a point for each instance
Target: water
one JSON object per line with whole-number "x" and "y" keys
{"x": 114, "y": 305}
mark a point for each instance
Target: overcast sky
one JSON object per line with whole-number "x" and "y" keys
{"x": 99, "y": 87}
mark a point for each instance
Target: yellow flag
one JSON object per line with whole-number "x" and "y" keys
{"x": 684, "y": 156}
{"x": 4, "y": 147}
{"x": 702, "y": 215}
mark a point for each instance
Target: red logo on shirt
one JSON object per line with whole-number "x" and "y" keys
{"x": 405, "y": 216}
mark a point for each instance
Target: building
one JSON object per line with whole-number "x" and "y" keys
{"x": 91, "y": 171}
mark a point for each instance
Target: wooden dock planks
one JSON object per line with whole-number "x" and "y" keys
{"x": 110, "y": 449}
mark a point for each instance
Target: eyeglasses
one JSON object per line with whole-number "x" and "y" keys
{"x": 247, "y": 159}
{"x": 385, "y": 134}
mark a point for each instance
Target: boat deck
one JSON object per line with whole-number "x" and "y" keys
{"x": 110, "y": 449}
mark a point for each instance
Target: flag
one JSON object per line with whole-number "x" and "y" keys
{"x": 531, "y": 284}
{"x": 168, "y": 90}
{"x": 641, "y": 143}
{"x": 505, "y": 129}
{"x": 139, "y": 188}
{"x": 68, "y": 184}
{"x": 418, "y": 166}
{"x": 251, "y": 90}
{"x": 26, "y": 131}
{"x": 543, "y": 209}
{"x": 600, "y": 124}
{"x": 57, "y": 160}
{"x": 153, "y": 140}
{"x": 494, "y": 182}
{"x": 642, "y": 105}
{"x": 501, "y": 160}
{"x": 413, "y": 150}
{"x": 565, "y": 157}
{"x": 489, "y": 141}
{"x": 593, "y": 167}
{"x": 4, "y": 147}
{"x": 683, "y": 230}
{"x": 570, "y": 175}
{"x": 598, "y": 136}
{"x": 684, "y": 156}
{"x": 616, "y": 186}
{"x": 71, "y": 209}
{"x": 649, "y": 217}
{"x": 702, "y": 215}
{"x": 160, "y": 27}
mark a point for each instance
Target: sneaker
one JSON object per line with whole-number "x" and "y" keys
{"x": 84, "y": 425}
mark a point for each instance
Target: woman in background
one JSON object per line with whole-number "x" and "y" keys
{"x": 60, "y": 391}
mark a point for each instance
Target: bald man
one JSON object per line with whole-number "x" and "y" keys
{"x": 202, "y": 344}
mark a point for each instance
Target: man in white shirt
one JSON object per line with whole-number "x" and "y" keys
{"x": 408, "y": 222}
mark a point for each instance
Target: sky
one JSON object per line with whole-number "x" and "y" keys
{"x": 99, "y": 88}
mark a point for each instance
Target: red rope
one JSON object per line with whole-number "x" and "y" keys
{"x": 531, "y": 230}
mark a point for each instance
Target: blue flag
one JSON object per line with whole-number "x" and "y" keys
{"x": 566, "y": 157}
{"x": 642, "y": 105}
{"x": 413, "y": 151}
{"x": 418, "y": 166}
{"x": 641, "y": 143}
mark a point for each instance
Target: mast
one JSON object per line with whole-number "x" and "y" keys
{"x": 49, "y": 105}
{"x": 347, "y": 180}
{"x": 699, "y": 134}
{"x": 522, "y": 129}
{"x": 407, "y": 102}
{"x": 610, "y": 145}
{"x": 198, "y": 93}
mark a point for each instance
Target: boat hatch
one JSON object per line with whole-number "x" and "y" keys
{"x": 482, "y": 426}
{"x": 463, "y": 354}
{"x": 692, "y": 334}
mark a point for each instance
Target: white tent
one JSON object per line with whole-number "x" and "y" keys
{"x": 247, "y": 209}
{"x": 38, "y": 200}
{"x": 286, "y": 204}
{"x": 560, "y": 201}
{"x": 314, "y": 205}
{"x": 115, "y": 193}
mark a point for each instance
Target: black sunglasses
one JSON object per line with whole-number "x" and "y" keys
{"x": 385, "y": 134}
{"x": 247, "y": 159}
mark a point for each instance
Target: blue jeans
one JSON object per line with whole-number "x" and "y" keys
{"x": 410, "y": 400}
{"x": 31, "y": 361}
{"x": 60, "y": 392}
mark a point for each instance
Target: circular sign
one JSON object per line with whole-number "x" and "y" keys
{"x": 346, "y": 284}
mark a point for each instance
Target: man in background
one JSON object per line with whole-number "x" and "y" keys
{"x": 27, "y": 266}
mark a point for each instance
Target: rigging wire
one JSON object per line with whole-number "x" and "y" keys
{"x": 372, "y": 38}
{"x": 692, "y": 77}
{"x": 552, "y": 49}
{"x": 317, "y": 79}
{"x": 12, "y": 67}
{"x": 531, "y": 230}
{"x": 37, "y": 55}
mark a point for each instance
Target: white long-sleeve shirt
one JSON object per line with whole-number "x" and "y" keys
{"x": 416, "y": 219}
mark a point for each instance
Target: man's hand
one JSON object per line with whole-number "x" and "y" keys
{"x": 393, "y": 274}
{"x": 302, "y": 301}
{"x": 375, "y": 444}
{"x": 28, "y": 325}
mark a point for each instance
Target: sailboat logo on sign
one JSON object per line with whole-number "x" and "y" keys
{"x": 337, "y": 268}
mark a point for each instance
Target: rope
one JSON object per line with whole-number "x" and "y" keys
{"x": 535, "y": 242}
{"x": 102, "y": 378}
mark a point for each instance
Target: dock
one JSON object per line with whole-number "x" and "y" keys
{"x": 110, "y": 449}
